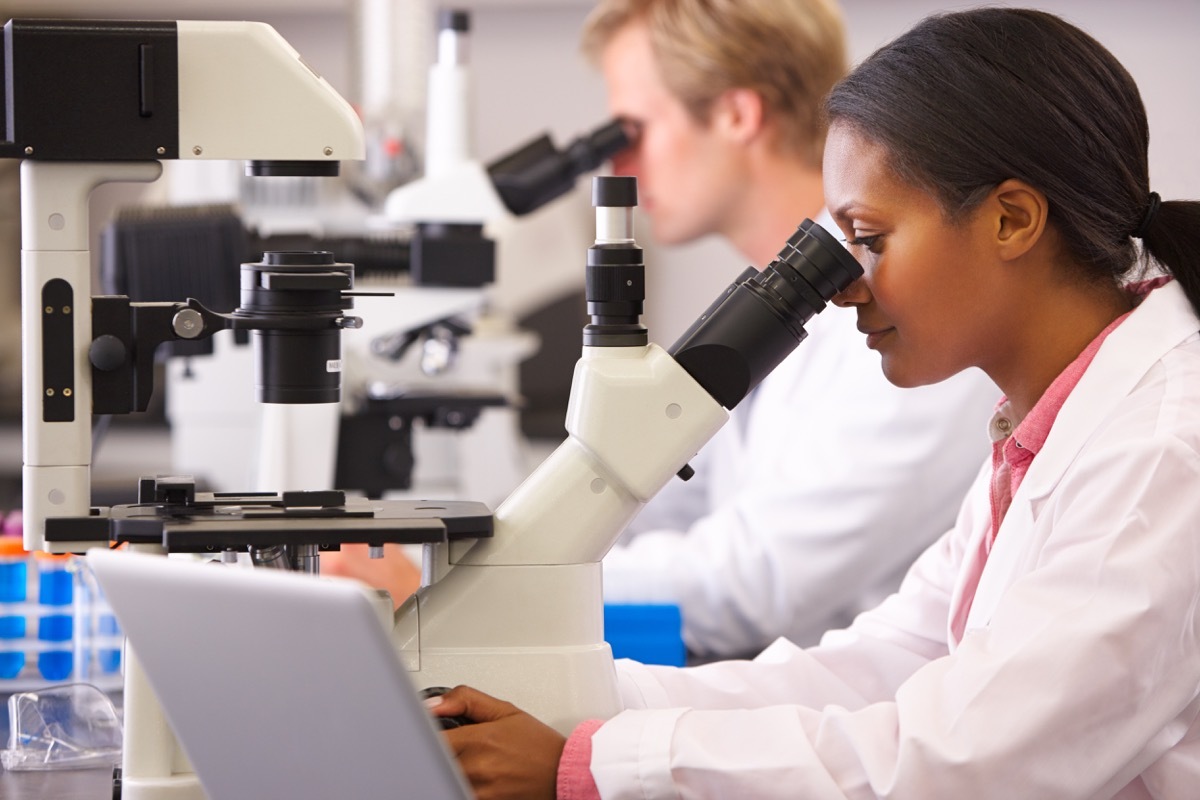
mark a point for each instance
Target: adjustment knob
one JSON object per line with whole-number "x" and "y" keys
{"x": 107, "y": 353}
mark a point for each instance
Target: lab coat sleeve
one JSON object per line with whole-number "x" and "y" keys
{"x": 844, "y": 479}
{"x": 1087, "y": 672}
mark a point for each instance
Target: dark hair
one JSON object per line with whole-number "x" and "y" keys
{"x": 966, "y": 100}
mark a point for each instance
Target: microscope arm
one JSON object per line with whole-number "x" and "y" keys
{"x": 57, "y": 327}
{"x": 634, "y": 419}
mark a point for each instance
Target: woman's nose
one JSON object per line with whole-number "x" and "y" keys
{"x": 853, "y": 295}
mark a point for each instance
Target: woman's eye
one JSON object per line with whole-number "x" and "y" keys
{"x": 869, "y": 242}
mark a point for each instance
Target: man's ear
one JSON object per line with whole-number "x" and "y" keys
{"x": 739, "y": 114}
{"x": 1019, "y": 217}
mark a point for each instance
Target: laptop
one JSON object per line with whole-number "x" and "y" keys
{"x": 278, "y": 684}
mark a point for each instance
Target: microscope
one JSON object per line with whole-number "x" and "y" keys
{"x": 520, "y": 614}
{"x": 95, "y": 102}
{"x": 91, "y": 102}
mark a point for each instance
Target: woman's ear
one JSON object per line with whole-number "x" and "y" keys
{"x": 739, "y": 114}
{"x": 1020, "y": 214}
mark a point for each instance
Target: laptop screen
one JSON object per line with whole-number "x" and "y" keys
{"x": 277, "y": 684}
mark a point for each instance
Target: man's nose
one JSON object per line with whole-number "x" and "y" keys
{"x": 626, "y": 162}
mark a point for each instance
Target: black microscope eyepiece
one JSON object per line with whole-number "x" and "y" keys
{"x": 808, "y": 271}
{"x": 760, "y": 317}
{"x": 536, "y": 173}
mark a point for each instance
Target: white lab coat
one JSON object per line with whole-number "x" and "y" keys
{"x": 811, "y": 503}
{"x": 1078, "y": 675}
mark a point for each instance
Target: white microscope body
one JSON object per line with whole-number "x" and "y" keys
{"x": 521, "y": 615}
{"x": 242, "y": 93}
{"x": 80, "y": 117}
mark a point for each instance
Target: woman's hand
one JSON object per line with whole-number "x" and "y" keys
{"x": 506, "y": 753}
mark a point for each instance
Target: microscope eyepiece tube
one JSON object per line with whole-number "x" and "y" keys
{"x": 455, "y": 19}
{"x": 536, "y": 173}
{"x": 614, "y": 225}
{"x": 453, "y": 26}
{"x": 614, "y": 199}
{"x": 759, "y": 319}
{"x": 819, "y": 260}
{"x": 616, "y": 274}
{"x": 299, "y": 353}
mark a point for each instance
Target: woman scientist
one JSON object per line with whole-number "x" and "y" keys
{"x": 989, "y": 170}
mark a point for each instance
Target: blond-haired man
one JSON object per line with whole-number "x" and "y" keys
{"x": 828, "y": 481}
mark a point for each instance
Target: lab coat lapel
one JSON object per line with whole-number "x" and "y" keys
{"x": 1161, "y": 322}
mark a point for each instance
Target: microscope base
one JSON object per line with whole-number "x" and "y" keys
{"x": 178, "y": 787}
{"x": 153, "y": 765}
{"x": 530, "y": 634}
{"x": 532, "y": 679}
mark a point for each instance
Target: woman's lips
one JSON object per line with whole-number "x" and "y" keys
{"x": 874, "y": 336}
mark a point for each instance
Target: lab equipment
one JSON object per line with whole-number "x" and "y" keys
{"x": 429, "y": 381}
{"x": 79, "y": 116}
{"x": 14, "y": 589}
{"x": 432, "y": 378}
{"x": 56, "y": 621}
{"x": 637, "y": 414}
{"x": 650, "y": 633}
{"x": 95, "y": 102}
{"x": 55, "y": 624}
{"x": 73, "y": 726}
{"x": 452, "y": 366}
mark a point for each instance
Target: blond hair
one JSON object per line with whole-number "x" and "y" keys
{"x": 790, "y": 52}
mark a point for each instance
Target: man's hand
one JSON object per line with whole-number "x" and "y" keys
{"x": 507, "y": 753}
{"x": 394, "y": 572}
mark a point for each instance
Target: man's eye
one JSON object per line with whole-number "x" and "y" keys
{"x": 632, "y": 130}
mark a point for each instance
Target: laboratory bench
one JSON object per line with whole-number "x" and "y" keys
{"x": 63, "y": 784}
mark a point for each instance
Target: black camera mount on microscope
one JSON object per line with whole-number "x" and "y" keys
{"x": 294, "y": 303}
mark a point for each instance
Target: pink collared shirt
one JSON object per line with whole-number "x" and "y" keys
{"x": 1014, "y": 445}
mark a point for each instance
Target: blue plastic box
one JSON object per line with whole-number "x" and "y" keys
{"x": 649, "y": 633}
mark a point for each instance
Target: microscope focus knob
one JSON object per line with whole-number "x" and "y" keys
{"x": 108, "y": 353}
